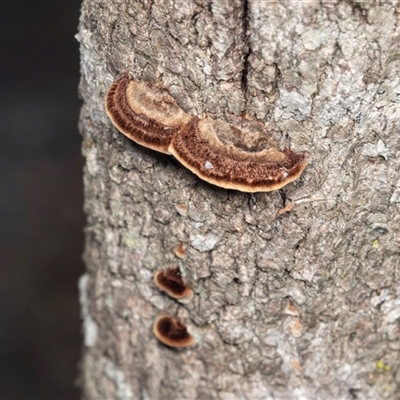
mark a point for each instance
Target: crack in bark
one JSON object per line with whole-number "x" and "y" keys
{"x": 246, "y": 49}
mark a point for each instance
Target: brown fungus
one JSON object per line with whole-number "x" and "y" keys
{"x": 179, "y": 250}
{"x": 171, "y": 282}
{"x": 144, "y": 112}
{"x": 172, "y": 333}
{"x": 235, "y": 156}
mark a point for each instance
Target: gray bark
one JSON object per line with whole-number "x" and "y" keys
{"x": 303, "y": 304}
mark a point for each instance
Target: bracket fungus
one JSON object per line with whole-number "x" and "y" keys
{"x": 171, "y": 282}
{"x": 172, "y": 333}
{"x": 144, "y": 112}
{"x": 233, "y": 155}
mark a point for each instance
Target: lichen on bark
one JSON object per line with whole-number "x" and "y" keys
{"x": 303, "y": 304}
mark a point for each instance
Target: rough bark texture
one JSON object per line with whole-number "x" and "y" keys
{"x": 299, "y": 305}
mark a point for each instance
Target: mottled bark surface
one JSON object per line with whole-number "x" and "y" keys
{"x": 299, "y": 305}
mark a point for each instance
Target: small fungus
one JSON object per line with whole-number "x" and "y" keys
{"x": 172, "y": 333}
{"x": 171, "y": 282}
{"x": 144, "y": 112}
{"x": 182, "y": 209}
{"x": 179, "y": 250}
{"x": 241, "y": 157}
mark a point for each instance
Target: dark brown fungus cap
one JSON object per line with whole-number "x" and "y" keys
{"x": 236, "y": 155}
{"x": 170, "y": 281}
{"x": 144, "y": 112}
{"x": 171, "y": 332}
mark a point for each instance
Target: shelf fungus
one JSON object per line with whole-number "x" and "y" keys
{"x": 171, "y": 282}
{"x": 145, "y": 112}
{"x": 233, "y": 155}
{"x": 172, "y": 333}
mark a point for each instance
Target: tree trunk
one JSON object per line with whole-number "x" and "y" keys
{"x": 297, "y": 291}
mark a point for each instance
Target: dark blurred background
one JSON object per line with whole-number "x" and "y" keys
{"x": 41, "y": 219}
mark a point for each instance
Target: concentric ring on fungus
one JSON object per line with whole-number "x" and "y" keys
{"x": 144, "y": 112}
{"x": 235, "y": 157}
